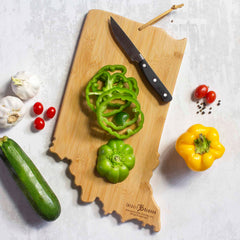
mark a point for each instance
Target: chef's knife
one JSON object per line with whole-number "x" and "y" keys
{"x": 135, "y": 56}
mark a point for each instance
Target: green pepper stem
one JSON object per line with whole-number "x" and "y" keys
{"x": 116, "y": 158}
{"x": 202, "y": 144}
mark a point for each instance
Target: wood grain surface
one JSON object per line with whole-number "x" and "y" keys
{"x": 77, "y": 136}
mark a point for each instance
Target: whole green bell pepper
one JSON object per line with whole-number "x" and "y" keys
{"x": 115, "y": 160}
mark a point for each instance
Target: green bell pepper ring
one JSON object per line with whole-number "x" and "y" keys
{"x": 115, "y": 160}
{"x": 115, "y": 107}
{"x": 102, "y": 81}
{"x": 113, "y": 68}
{"x": 134, "y": 85}
{"x": 137, "y": 119}
{"x": 93, "y": 88}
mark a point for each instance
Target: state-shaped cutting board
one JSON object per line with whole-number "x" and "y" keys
{"x": 76, "y": 136}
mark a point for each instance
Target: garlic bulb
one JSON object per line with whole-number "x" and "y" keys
{"x": 25, "y": 85}
{"x": 12, "y": 110}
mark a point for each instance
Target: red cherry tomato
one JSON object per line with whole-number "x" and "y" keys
{"x": 51, "y": 112}
{"x": 38, "y": 108}
{"x": 201, "y": 91}
{"x": 39, "y": 123}
{"x": 210, "y": 97}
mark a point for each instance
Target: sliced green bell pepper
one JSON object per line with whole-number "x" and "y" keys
{"x": 108, "y": 77}
{"x": 115, "y": 160}
{"x": 115, "y": 107}
{"x": 124, "y": 131}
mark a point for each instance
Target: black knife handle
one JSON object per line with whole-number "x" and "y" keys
{"x": 155, "y": 81}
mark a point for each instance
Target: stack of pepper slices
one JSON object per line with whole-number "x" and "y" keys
{"x": 113, "y": 97}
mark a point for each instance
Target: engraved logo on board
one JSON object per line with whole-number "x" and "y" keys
{"x": 139, "y": 210}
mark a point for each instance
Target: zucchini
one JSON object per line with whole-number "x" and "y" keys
{"x": 30, "y": 180}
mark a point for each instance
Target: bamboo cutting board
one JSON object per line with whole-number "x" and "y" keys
{"x": 75, "y": 136}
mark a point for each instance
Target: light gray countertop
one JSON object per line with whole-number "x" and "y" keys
{"x": 40, "y": 36}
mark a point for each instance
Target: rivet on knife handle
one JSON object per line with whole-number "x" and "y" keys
{"x": 155, "y": 81}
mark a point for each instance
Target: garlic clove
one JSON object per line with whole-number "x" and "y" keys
{"x": 12, "y": 110}
{"x": 25, "y": 85}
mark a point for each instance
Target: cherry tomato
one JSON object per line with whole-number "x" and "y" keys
{"x": 39, "y": 123}
{"x": 38, "y": 108}
{"x": 51, "y": 112}
{"x": 201, "y": 91}
{"x": 210, "y": 97}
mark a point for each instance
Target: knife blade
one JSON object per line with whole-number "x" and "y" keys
{"x": 135, "y": 56}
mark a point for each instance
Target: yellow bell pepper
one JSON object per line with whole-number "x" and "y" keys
{"x": 199, "y": 147}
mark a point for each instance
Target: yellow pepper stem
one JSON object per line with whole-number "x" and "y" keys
{"x": 202, "y": 144}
